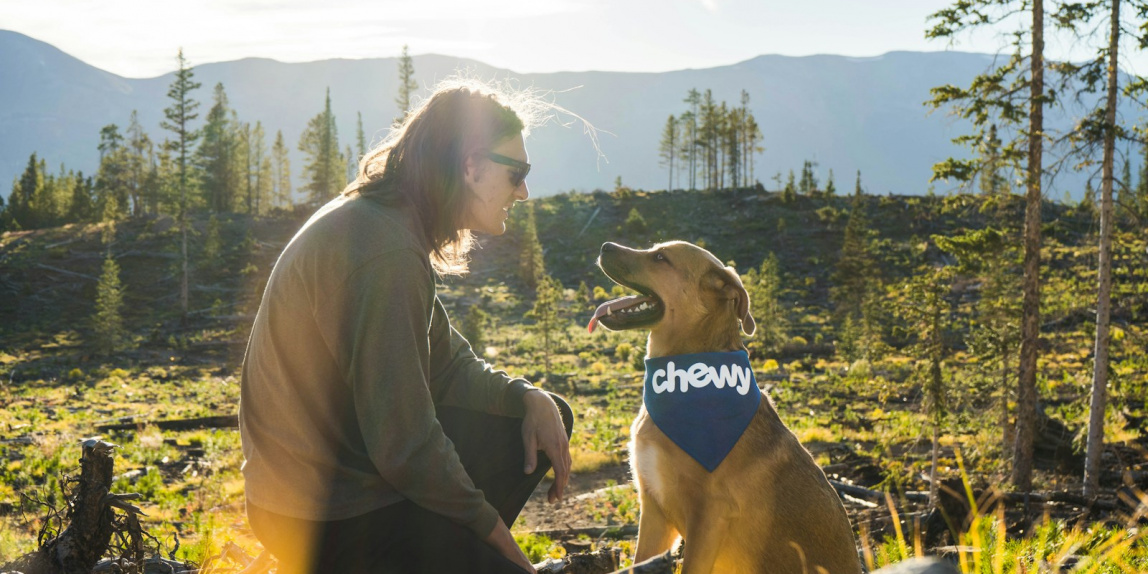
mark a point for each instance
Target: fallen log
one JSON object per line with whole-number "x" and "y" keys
{"x": 664, "y": 564}
{"x": 601, "y": 561}
{"x": 217, "y": 421}
{"x": 591, "y": 531}
{"x": 867, "y": 493}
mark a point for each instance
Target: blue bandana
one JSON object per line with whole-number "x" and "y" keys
{"x": 702, "y": 401}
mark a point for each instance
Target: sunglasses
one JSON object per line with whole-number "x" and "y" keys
{"x": 521, "y": 168}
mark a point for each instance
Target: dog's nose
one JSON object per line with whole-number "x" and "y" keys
{"x": 609, "y": 246}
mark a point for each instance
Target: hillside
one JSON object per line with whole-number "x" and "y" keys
{"x": 862, "y": 416}
{"x": 847, "y": 114}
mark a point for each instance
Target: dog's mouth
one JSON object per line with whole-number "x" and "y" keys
{"x": 632, "y": 312}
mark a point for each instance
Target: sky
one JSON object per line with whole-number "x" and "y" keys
{"x": 139, "y": 38}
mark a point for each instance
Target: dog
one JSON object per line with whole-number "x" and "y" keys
{"x": 764, "y": 506}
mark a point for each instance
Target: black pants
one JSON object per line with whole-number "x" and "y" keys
{"x": 406, "y": 538}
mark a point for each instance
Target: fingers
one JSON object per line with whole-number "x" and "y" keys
{"x": 530, "y": 443}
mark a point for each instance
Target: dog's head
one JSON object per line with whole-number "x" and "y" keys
{"x": 688, "y": 300}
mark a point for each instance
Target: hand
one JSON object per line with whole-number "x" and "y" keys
{"x": 542, "y": 429}
{"x": 501, "y": 540}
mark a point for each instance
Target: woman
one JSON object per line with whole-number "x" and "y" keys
{"x": 375, "y": 440}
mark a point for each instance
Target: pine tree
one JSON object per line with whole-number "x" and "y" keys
{"x": 531, "y": 266}
{"x": 993, "y": 181}
{"x": 107, "y": 321}
{"x": 217, "y": 156}
{"x": 855, "y": 274}
{"x": 81, "y": 208}
{"x": 545, "y": 313}
{"x": 1142, "y": 185}
{"x": 693, "y": 98}
{"x": 474, "y": 329}
{"x": 212, "y": 244}
{"x": 407, "y": 85}
{"x": 789, "y": 193}
{"x": 140, "y": 152}
{"x": 360, "y": 139}
{"x": 324, "y": 167}
{"x": 857, "y": 189}
{"x": 113, "y": 178}
{"x": 281, "y": 171}
{"x": 924, "y": 312}
{"x": 808, "y": 184}
{"x": 24, "y": 189}
{"x": 668, "y": 147}
{"x": 261, "y": 168}
{"x": 764, "y": 287}
{"x": 179, "y": 116}
{"x": 830, "y": 187}
{"x": 244, "y": 171}
{"x": 1000, "y": 95}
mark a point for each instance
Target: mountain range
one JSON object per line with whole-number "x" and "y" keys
{"x": 844, "y": 113}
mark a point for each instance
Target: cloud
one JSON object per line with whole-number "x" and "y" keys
{"x": 711, "y": 5}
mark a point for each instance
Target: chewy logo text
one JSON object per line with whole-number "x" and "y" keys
{"x": 699, "y": 375}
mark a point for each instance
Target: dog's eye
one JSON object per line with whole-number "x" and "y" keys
{"x": 659, "y": 256}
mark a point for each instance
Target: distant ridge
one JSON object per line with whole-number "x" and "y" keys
{"x": 846, "y": 113}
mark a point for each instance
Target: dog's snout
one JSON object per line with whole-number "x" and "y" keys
{"x": 610, "y": 246}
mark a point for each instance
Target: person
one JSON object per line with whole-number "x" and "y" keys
{"x": 375, "y": 440}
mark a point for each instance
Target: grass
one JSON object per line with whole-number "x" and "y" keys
{"x": 871, "y": 408}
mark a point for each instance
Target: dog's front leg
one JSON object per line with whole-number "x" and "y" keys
{"x": 655, "y": 533}
{"x": 703, "y": 544}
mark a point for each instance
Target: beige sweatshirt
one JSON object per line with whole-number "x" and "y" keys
{"x": 350, "y": 352}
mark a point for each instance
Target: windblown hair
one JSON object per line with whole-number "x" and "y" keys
{"x": 422, "y": 159}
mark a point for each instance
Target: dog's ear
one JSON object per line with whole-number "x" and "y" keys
{"x": 729, "y": 283}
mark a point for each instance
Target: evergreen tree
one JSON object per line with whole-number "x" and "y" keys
{"x": 925, "y": 313}
{"x": 212, "y": 253}
{"x": 474, "y": 329}
{"x": 217, "y": 155}
{"x": 107, "y": 321}
{"x": 764, "y": 288}
{"x": 830, "y": 187}
{"x": 693, "y": 98}
{"x": 668, "y": 147}
{"x": 547, "y": 296}
{"x": 531, "y": 266}
{"x": 243, "y": 168}
{"x": 1142, "y": 185}
{"x": 407, "y": 85}
{"x": 140, "y": 152}
{"x": 113, "y": 178}
{"x": 1000, "y": 95}
{"x": 361, "y": 140}
{"x": 351, "y": 163}
{"x": 989, "y": 257}
{"x": 324, "y": 167}
{"x": 261, "y": 170}
{"x": 179, "y": 116}
{"x": 857, "y": 190}
{"x": 808, "y": 184}
{"x": 993, "y": 181}
{"x": 1125, "y": 193}
{"x": 24, "y": 190}
{"x": 81, "y": 208}
{"x": 281, "y": 171}
{"x": 789, "y": 193}
{"x": 855, "y": 283}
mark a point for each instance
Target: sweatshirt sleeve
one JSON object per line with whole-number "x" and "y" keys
{"x": 377, "y": 326}
{"x": 459, "y": 378}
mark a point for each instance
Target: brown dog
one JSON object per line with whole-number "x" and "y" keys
{"x": 767, "y": 506}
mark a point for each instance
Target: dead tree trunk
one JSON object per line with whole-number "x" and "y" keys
{"x": 77, "y": 549}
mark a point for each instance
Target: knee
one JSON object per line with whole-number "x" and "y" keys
{"x": 566, "y": 412}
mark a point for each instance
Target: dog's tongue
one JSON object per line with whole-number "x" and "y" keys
{"x": 610, "y": 306}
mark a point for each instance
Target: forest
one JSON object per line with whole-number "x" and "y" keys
{"x": 968, "y": 368}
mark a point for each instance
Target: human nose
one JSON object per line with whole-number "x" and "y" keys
{"x": 522, "y": 192}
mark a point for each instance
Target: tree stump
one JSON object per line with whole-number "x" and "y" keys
{"x": 77, "y": 549}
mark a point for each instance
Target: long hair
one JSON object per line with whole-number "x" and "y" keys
{"x": 422, "y": 159}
